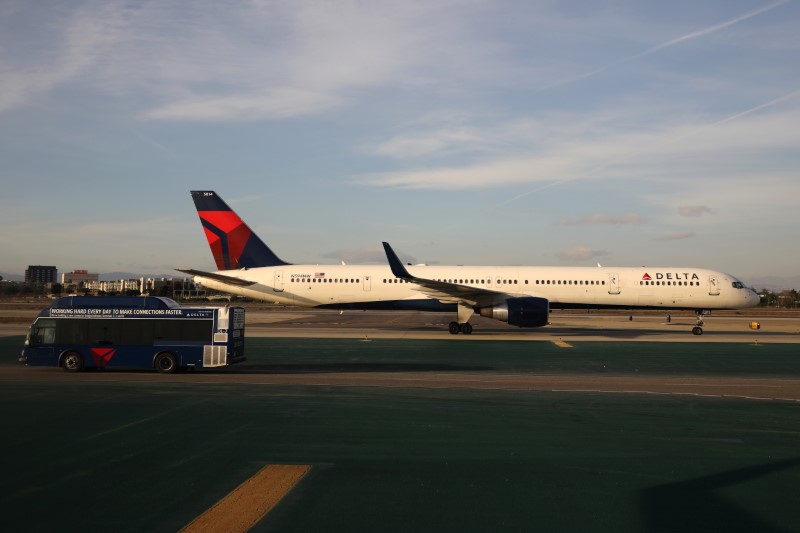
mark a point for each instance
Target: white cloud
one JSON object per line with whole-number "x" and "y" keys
{"x": 83, "y": 36}
{"x": 677, "y": 236}
{"x": 261, "y": 60}
{"x": 277, "y": 104}
{"x": 362, "y": 255}
{"x": 668, "y": 147}
{"x": 580, "y": 253}
{"x": 695, "y": 210}
{"x": 594, "y": 220}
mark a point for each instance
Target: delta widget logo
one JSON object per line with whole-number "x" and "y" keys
{"x": 102, "y": 356}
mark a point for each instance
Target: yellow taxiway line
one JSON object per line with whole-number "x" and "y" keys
{"x": 243, "y": 507}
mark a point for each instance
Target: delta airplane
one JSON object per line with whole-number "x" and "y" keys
{"x": 520, "y": 296}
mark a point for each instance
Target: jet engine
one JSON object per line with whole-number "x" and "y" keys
{"x": 525, "y": 312}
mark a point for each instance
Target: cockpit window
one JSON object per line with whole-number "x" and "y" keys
{"x": 738, "y": 285}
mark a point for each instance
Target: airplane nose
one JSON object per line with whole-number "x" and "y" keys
{"x": 753, "y": 298}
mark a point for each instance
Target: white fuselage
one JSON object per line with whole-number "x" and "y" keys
{"x": 374, "y": 286}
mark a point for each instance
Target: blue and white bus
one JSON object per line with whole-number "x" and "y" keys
{"x": 141, "y": 332}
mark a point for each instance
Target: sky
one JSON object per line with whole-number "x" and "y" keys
{"x": 579, "y": 132}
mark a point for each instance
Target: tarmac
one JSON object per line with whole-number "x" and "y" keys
{"x": 594, "y": 422}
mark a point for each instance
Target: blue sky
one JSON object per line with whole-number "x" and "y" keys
{"x": 463, "y": 132}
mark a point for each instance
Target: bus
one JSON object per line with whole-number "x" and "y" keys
{"x": 137, "y": 332}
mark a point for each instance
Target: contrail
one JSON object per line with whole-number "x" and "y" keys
{"x": 672, "y": 42}
{"x": 756, "y": 108}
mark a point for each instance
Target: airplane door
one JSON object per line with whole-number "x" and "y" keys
{"x": 613, "y": 283}
{"x": 367, "y": 283}
{"x": 278, "y": 285}
{"x": 713, "y": 286}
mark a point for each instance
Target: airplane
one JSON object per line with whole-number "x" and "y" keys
{"x": 519, "y": 296}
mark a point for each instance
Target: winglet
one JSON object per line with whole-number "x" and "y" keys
{"x": 395, "y": 264}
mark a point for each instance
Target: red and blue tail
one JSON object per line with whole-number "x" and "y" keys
{"x": 233, "y": 244}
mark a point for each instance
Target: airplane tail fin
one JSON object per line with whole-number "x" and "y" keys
{"x": 233, "y": 244}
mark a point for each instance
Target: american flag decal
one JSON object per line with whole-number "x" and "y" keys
{"x": 319, "y": 275}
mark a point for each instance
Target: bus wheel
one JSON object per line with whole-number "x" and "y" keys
{"x": 72, "y": 362}
{"x": 166, "y": 363}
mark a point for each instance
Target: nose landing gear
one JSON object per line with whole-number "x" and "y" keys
{"x": 697, "y": 329}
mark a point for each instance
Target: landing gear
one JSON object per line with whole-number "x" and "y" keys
{"x": 456, "y": 328}
{"x": 697, "y": 329}
{"x": 463, "y": 325}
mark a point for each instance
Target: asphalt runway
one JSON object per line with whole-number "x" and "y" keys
{"x": 595, "y": 422}
{"x": 566, "y": 330}
{"x": 595, "y": 326}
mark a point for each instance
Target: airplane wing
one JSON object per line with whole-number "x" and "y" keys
{"x": 230, "y": 280}
{"x": 446, "y": 292}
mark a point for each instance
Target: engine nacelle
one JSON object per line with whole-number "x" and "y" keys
{"x": 526, "y": 312}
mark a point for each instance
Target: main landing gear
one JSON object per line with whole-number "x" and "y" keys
{"x": 463, "y": 325}
{"x": 697, "y": 329}
{"x": 456, "y": 328}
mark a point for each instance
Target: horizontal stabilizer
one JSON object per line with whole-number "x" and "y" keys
{"x": 230, "y": 280}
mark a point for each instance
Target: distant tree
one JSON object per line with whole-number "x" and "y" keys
{"x": 56, "y": 288}
{"x": 787, "y": 298}
{"x": 768, "y": 298}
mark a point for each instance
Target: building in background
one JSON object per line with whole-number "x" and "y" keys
{"x": 78, "y": 278}
{"x": 41, "y": 274}
{"x": 180, "y": 288}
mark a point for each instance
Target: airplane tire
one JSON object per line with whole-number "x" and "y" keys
{"x": 466, "y": 329}
{"x": 697, "y": 330}
{"x": 455, "y": 329}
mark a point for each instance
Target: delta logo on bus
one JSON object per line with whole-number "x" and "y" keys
{"x": 102, "y": 356}
{"x": 672, "y": 276}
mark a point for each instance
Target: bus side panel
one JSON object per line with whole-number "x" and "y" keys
{"x": 143, "y": 357}
{"x": 40, "y": 356}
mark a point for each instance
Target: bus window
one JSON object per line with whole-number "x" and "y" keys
{"x": 105, "y": 331}
{"x": 43, "y": 333}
